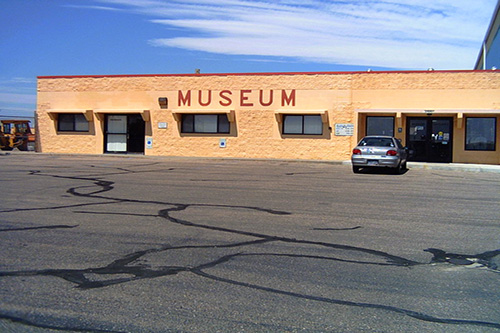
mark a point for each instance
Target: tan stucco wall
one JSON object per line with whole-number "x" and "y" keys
{"x": 466, "y": 92}
{"x": 256, "y": 131}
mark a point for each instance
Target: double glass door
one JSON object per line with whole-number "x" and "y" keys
{"x": 430, "y": 139}
{"x": 124, "y": 133}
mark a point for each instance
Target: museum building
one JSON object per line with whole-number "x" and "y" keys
{"x": 443, "y": 116}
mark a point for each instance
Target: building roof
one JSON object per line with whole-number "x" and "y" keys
{"x": 491, "y": 33}
{"x": 257, "y": 74}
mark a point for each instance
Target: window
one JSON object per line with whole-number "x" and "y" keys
{"x": 302, "y": 124}
{"x": 376, "y": 142}
{"x": 72, "y": 122}
{"x": 205, "y": 123}
{"x": 380, "y": 126}
{"x": 21, "y": 128}
{"x": 7, "y": 128}
{"x": 480, "y": 133}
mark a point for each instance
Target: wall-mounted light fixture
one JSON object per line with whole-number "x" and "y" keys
{"x": 163, "y": 101}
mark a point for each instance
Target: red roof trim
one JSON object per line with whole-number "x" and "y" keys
{"x": 259, "y": 74}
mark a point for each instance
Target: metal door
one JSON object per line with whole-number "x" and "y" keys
{"x": 430, "y": 139}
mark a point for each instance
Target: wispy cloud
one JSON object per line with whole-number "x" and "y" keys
{"x": 113, "y": 9}
{"x": 17, "y": 105}
{"x": 17, "y": 81}
{"x": 16, "y": 85}
{"x": 17, "y": 98}
{"x": 444, "y": 34}
{"x": 22, "y": 80}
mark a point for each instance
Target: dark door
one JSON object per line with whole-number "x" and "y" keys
{"x": 136, "y": 132}
{"x": 124, "y": 133}
{"x": 430, "y": 139}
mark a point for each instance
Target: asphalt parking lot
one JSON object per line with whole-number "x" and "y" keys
{"x": 142, "y": 244}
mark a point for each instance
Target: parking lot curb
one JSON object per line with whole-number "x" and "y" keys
{"x": 455, "y": 166}
{"x": 411, "y": 165}
{"x": 450, "y": 166}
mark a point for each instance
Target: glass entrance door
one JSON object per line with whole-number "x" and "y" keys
{"x": 430, "y": 139}
{"x": 116, "y": 134}
{"x": 124, "y": 133}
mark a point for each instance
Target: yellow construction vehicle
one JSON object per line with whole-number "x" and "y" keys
{"x": 16, "y": 134}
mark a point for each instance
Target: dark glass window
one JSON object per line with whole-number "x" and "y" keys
{"x": 302, "y": 124}
{"x": 7, "y": 128}
{"x": 205, "y": 123}
{"x": 377, "y": 142}
{"x": 380, "y": 126}
{"x": 72, "y": 122}
{"x": 480, "y": 133}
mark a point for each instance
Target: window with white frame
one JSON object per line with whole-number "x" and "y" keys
{"x": 302, "y": 124}
{"x": 205, "y": 123}
{"x": 72, "y": 122}
{"x": 480, "y": 133}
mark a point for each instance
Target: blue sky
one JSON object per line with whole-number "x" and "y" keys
{"x": 80, "y": 37}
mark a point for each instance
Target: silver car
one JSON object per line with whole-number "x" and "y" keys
{"x": 379, "y": 151}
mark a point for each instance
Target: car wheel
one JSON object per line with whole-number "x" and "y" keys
{"x": 399, "y": 169}
{"x": 355, "y": 169}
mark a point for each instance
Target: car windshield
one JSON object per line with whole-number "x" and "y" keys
{"x": 377, "y": 142}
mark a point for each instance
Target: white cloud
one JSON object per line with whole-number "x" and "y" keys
{"x": 94, "y": 7}
{"x": 15, "y": 90}
{"x": 17, "y": 98}
{"x": 444, "y": 34}
{"x": 17, "y": 81}
{"x": 23, "y": 80}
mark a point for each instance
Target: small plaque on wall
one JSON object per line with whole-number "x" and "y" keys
{"x": 344, "y": 129}
{"x": 162, "y": 125}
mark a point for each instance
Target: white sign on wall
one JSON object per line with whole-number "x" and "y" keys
{"x": 344, "y": 129}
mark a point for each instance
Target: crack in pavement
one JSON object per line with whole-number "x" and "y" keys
{"x": 413, "y": 314}
{"x": 124, "y": 270}
{"x": 61, "y": 226}
{"x": 31, "y": 323}
{"x": 338, "y": 229}
{"x": 483, "y": 259}
{"x": 121, "y": 267}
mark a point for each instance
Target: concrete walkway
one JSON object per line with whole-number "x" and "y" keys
{"x": 450, "y": 166}
{"x": 455, "y": 166}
